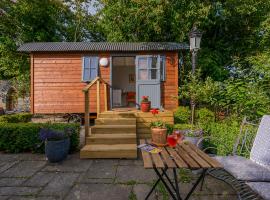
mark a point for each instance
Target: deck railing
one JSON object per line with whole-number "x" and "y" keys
{"x": 96, "y": 81}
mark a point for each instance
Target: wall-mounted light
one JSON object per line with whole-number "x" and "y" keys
{"x": 103, "y": 62}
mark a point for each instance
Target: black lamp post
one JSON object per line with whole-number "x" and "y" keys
{"x": 195, "y": 37}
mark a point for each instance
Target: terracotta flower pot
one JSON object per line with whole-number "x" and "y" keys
{"x": 145, "y": 106}
{"x": 159, "y": 136}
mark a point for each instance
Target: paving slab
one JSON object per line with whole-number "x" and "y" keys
{"x": 8, "y": 156}
{"x": 32, "y": 157}
{"x": 60, "y": 184}
{"x": 11, "y": 181}
{"x": 23, "y": 169}
{"x": 19, "y": 191}
{"x": 84, "y": 179}
{"x": 141, "y": 191}
{"x": 99, "y": 191}
{"x": 213, "y": 197}
{"x": 4, "y": 197}
{"x": 137, "y": 162}
{"x": 70, "y": 165}
{"x": 33, "y": 198}
{"x": 102, "y": 169}
{"x": 5, "y": 165}
{"x": 39, "y": 179}
{"x": 138, "y": 174}
{"x": 223, "y": 188}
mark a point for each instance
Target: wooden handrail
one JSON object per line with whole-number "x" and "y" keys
{"x": 93, "y": 82}
{"x": 97, "y": 81}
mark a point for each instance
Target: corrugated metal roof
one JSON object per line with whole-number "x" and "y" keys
{"x": 101, "y": 46}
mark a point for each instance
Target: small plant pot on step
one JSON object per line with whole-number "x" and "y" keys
{"x": 159, "y": 136}
{"x": 57, "y": 151}
{"x": 145, "y": 106}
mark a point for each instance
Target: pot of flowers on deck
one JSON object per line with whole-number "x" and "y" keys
{"x": 57, "y": 143}
{"x": 194, "y": 137}
{"x": 145, "y": 104}
{"x": 158, "y": 130}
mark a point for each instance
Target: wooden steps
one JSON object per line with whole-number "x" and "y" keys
{"x": 109, "y": 151}
{"x": 112, "y": 129}
{"x": 120, "y": 138}
{"x": 115, "y": 121}
{"x": 113, "y": 136}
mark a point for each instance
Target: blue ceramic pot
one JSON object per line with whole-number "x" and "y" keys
{"x": 57, "y": 151}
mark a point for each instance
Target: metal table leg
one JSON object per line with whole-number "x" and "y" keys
{"x": 162, "y": 178}
{"x": 196, "y": 184}
{"x": 165, "y": 184}
{"x": 176, "y": 184}
{"x": 156, "y": 183}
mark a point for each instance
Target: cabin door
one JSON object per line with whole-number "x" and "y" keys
{"x": 148, "y": 79}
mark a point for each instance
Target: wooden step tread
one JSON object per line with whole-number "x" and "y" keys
{"x": 116, "y": 135}
{"x": 114, "y": 126}
{"x": 111, "y": 147}
{"x": 115, "y": 121}
{"x": 117, "y": 118}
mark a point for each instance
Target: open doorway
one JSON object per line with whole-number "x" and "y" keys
{"x": 123, "y": 82}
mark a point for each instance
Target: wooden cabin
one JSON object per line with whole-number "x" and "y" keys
{"x": 108, "y": 79}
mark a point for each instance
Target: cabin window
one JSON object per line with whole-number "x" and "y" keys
{"x": 162, "y": 68}
{"x": 151, "y": 67}
{"x": 90, "y": 68}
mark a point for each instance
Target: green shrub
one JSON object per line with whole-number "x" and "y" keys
{"x": 16, "y": 118}
{"x": 182, "y": 115}
{"x": 22, "y": 137}
{"x": 223, "y": 136}
{"x": 205, "y": 116}
{"x": 182, "y": 126}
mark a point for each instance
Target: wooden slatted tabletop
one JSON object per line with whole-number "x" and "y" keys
{"x": 185, "y": 155}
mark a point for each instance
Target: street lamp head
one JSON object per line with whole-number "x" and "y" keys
{"x": 195, "y": 38}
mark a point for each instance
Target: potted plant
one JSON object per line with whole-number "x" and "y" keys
{"x": 57, "y": 143}
{"x": 193, "y": 136}
{"x": 158, "y": 130}
{"x": 145, "y": 104}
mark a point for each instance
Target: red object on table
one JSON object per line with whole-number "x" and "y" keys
{"x": 172, "y": 140}
{"x": 179, "y": 136}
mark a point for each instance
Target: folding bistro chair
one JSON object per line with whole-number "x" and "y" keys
{"x": 253, "y": 172}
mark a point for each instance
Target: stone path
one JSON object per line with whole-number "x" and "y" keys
{"x": 31, "y": 177}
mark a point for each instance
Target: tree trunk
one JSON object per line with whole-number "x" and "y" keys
{"x": 192, "y": 104}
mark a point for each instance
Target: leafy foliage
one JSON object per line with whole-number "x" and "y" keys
{"x": 205, "y": 115}
{"x": 16, "y": 118}
{"x": 22, "y": 137}
{"x": 182, "y": 115}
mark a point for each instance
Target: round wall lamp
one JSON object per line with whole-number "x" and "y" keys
{"x": 103, "y": 62}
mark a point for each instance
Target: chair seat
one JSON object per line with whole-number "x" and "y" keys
{"x": 244, "y": 169}
{"x": 262, "y": 188}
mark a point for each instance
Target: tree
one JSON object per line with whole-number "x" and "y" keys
{"x": 28, "y": 21}
{"x": 144, "y": 20}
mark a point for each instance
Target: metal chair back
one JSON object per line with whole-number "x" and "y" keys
{"x": 260, "y": 152}
{"x": 245, "y": 139}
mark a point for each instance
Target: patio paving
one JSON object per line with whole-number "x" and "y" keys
{"x": 31, "y": 177}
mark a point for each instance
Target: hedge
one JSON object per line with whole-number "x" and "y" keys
{"x": 23, "y": 137}
{"x": 16, "y": 118}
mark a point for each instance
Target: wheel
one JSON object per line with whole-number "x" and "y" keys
{"x": 74, "y": 118}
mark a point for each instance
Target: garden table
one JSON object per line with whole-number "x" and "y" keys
{"x": 184, "y": 155}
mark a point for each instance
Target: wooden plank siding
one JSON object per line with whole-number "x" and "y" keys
{"x": 169, "y": 88}
{"x": 57, "y": 80}
{"x": 56, "y": 83}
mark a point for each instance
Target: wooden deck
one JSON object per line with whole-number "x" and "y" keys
{"x": 116, "y": 133}
{"x": 143, "y": 119}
